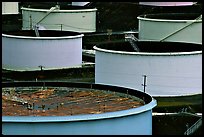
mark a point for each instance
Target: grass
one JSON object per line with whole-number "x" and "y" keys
{"x": 166, "y": 104}
{"x": 191, "y": 103}
{"x": 179, "y": 101}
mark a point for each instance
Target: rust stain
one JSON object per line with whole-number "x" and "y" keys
{"x": 48, "y": 102}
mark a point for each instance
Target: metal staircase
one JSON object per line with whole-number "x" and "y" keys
{"x": 132, "y": 39}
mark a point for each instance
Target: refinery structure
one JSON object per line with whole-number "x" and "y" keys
{"x": 157, "y": 54}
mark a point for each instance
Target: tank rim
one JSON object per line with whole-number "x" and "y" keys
{"x": 59, "y": 11}
{"x": 58, "y": 34}
{"x": 149, "y": 53}
{"x": 146, "y": 17}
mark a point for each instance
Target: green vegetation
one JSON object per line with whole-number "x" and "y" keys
{"x": 191, "y": 104}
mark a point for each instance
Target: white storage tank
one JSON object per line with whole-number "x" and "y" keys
{"x": 178, "y": 27}
{"x": 166, "y": 68}
{"x": 68, "y": 18}
{"x": 102, "y": 120}
{"x": 167, "y": 3}
{"x": 23, "y": 51}
{"x": 10, "y": 8}
{"x": 80, "y": 3}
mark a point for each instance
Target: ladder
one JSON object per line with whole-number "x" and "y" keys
{"x": 36, "y": 31}
{"x": 132, "y": 39}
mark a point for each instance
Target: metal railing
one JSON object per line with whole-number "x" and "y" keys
{"x": 132, "y": 39}
{"x": 194, "y": 127}
{"x": 198, "y": 18}
{"x": 36, "y": 25}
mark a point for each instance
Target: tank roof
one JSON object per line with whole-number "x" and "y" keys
{"x": 72, "y": 99}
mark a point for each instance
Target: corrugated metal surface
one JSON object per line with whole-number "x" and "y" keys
{"x": 79, "y": 20}
{"x": 168, "y": 74}
{"x": 135, "y": 121}
{"x": 10, "y": 8}
{"x": 179, "y": 29}
{"x": 28, "y": 53}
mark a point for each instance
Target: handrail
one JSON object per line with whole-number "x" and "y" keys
{"x": 51, "y": 9}
{"x": 200, "y": 17}
{"x": 132, "y": 39}
{"x": 194, "y": 127}
{"x": 36, "y": 25}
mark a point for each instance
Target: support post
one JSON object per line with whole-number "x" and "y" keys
{"x": 144, "y": 83}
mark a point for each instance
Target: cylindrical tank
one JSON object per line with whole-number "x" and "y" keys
{"x": 68, "y": 18}
{"x": 133, "y": 121}
{"x": 23, "y": 51}
{"x": 178, "y": 27}
{"x": 79, "y": 3}
{"x": 10, "y": 8}
{"x": 159, "y": 68}
{"x": 167, "y": 3}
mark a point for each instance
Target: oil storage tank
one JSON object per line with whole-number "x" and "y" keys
{"x": 178, "y": 27}
{"x": 80, "y": 3}
{"x": 84, "y": 109}
{"x": 10, "y": 8}
{"x": 27, "y": 50}
{"x": 167, "y": 3}
{"x": 158, "y": 68}
{"x": 64, "y": 17}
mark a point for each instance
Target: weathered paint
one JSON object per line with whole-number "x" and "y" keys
{"x": 134, "y": 121}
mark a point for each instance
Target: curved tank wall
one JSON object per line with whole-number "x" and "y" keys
{"x": 134, "y": 121}
{"x": 80, "y": 3}
{"x": 10, "y": 8}
{"x": 167, "y": 3}
{"x": 171, "y": 68}
{"x": 24, "y": 51}
{"x": 70, "y": 18}
{"x": 178, "y": 27}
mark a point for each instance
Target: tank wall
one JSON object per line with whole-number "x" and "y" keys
{"x": 28, "y": 54}
{"x": 80, "y": 3}
{"x": 10, "y": 8}
{"x": 161, "y": 29}
{"x": 166, "y": 3}
{"x": 139, "y": 124}
{"x": 79, "y": 21}
{"x": 166, "y": 75}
